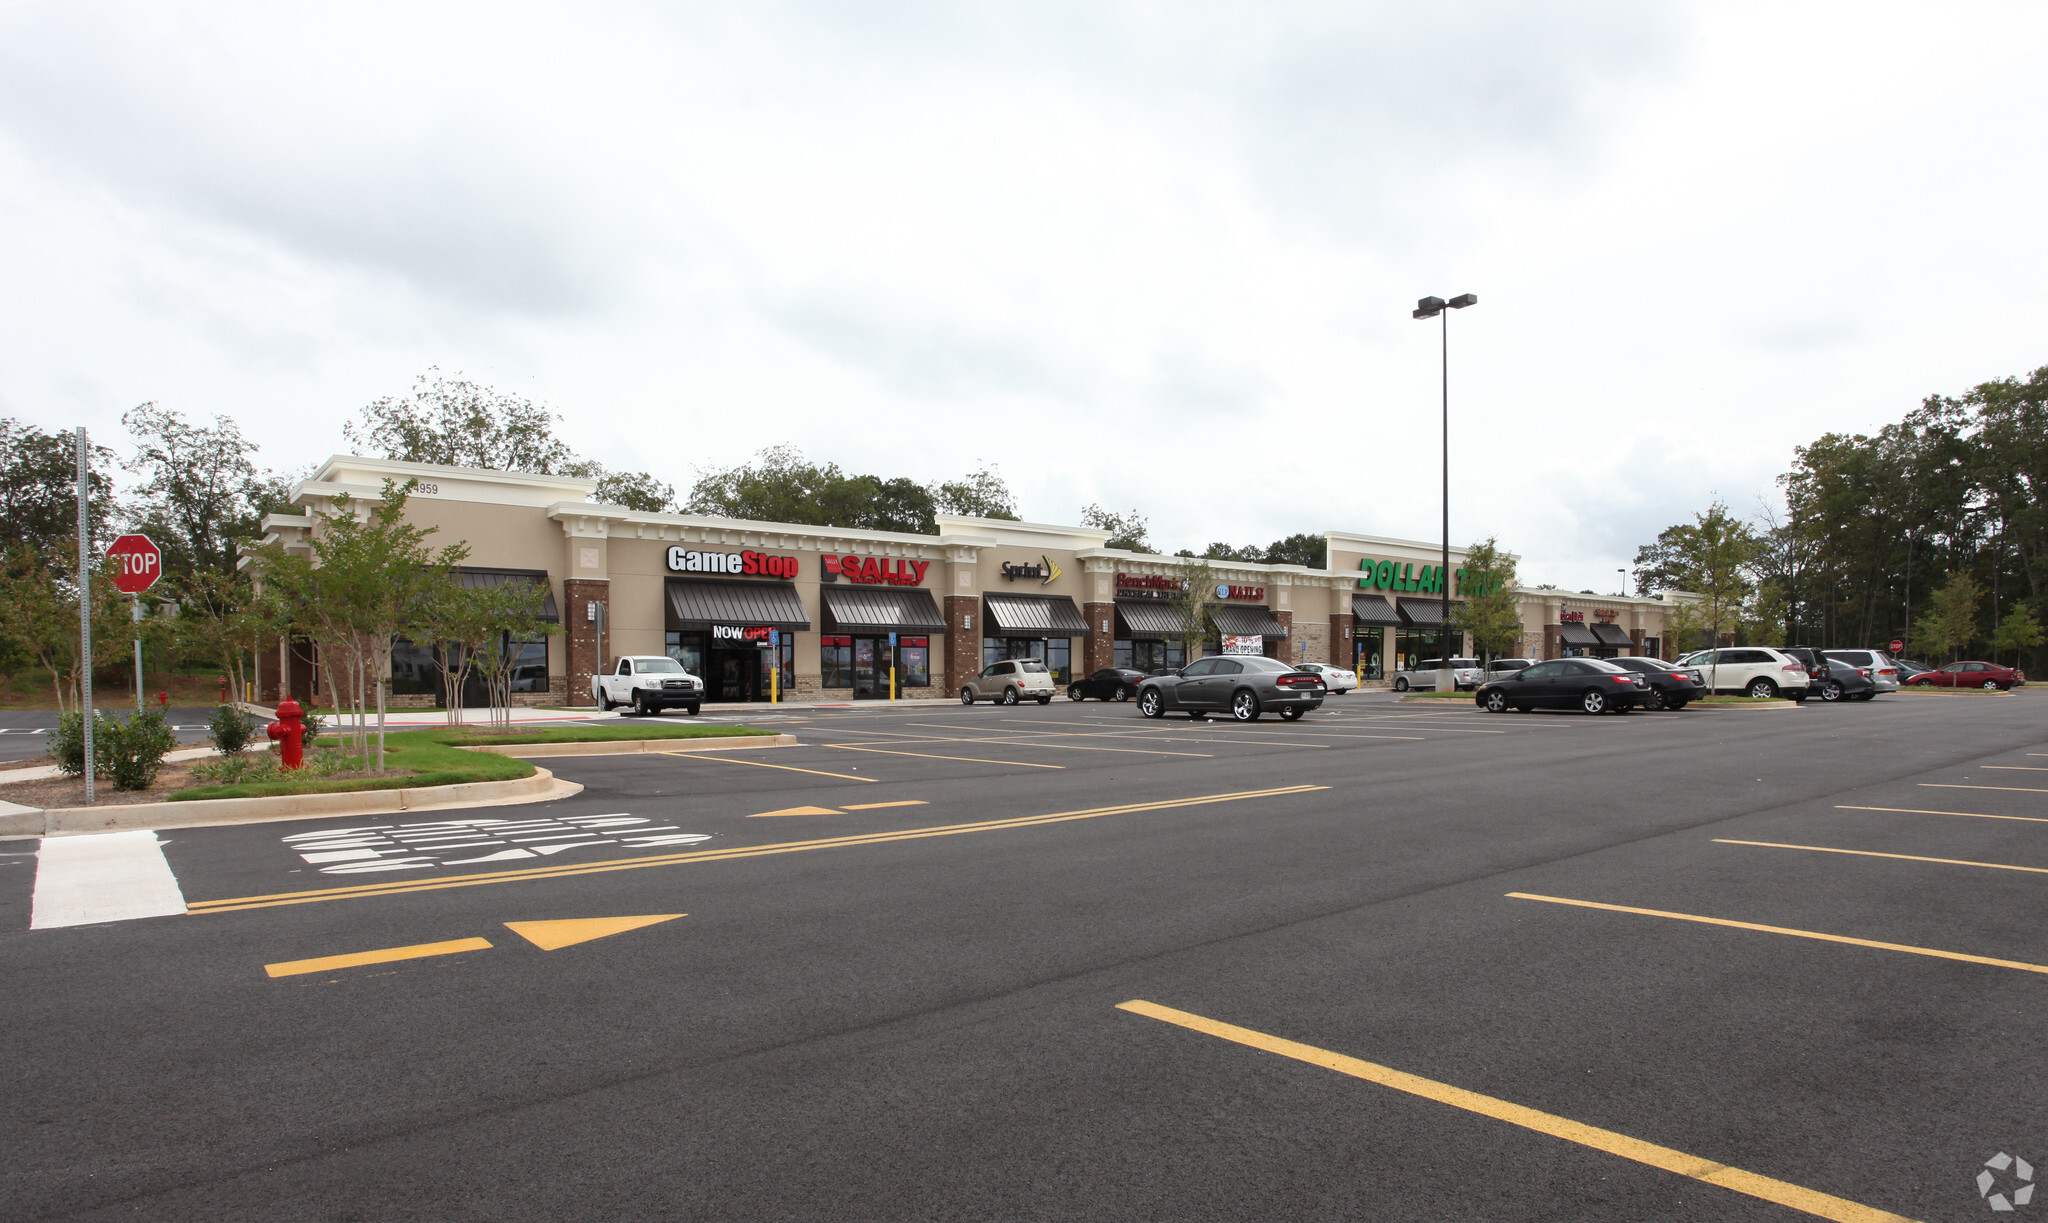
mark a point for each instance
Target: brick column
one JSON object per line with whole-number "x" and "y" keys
{"x": 1286, "y": 644}
{"x": 577, "y": 594}
{"x": 1100, "y": 651}
{"x": 963, "y": 640}
{"x": 1551, "y": 646}
{"x": 1343, "y": 646}
{"x": 1636, "y": 635}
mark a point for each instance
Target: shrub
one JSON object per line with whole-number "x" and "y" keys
{"x": 131, "y": 752}
{"x": 229, "y": 730}
{"x": 67, "y": 746}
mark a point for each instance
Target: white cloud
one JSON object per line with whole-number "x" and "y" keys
{"x": 1140, "y": 254}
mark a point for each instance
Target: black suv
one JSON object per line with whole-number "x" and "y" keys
{"x": 1816, "y": 667}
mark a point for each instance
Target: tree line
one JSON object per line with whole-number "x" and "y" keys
{"x": 1933, "y": 530}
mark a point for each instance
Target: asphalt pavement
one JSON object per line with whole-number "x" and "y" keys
{"x": 25, "y": 733}
{"x": 1397, "y": 961}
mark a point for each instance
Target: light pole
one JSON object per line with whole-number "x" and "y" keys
{"x": 1624, "y": 582}
{"x": 1434, "y": 307}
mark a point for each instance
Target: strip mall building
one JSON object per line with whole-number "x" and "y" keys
{"x": 842, "y": 606}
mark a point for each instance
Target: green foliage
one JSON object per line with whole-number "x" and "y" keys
{"x": 1127, "y": 531}
{"x": 39, "y": 490}
{"x": 132, "y": 750}
{"x": 635, "y": 490}
{"x": 781, "y": 485}
{"x": 67, "y": 743}
{"x": 1490, "y": 611}
{"x": 979, "y": 494}
{"x": 1303, "y": 549}
{"x": 1193, "y": 604}
{"x": 2018, "y": 632}
{"x": 1950, "y": 624}
{"x": 229, "y": 730}
{"x": 200, "y": 496}
{"x": 456, "y": 422}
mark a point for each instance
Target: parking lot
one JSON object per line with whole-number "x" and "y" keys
{"x": 1399, "y": 960}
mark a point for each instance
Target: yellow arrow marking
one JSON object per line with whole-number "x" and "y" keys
{"x": 548, "y": 935}
{"x": 798, "y": 811}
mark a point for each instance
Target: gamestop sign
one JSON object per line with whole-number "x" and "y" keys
{"x": 746, "y": 564}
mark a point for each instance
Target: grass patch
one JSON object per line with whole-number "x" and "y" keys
{"x": 435, "y": 757}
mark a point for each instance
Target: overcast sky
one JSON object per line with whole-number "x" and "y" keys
{"x": 1157, "y": 256}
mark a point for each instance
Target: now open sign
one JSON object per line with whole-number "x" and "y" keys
{"x": 142, "y": 563}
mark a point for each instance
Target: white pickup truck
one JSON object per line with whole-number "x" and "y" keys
{"x": 648, "y": 683}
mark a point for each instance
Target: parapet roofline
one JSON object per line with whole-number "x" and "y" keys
{"x": 1010, "y": 526}
{"x": 402, "y": 471}
{"x": 616, "y": 513}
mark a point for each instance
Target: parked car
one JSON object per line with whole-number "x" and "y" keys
{"x": 1592, "y": 684}
{"x": 1846, "y": 683}
{"x": 649, "y": 684}
{"x": 1466, "y": 674}
{"x": 1809, "y": 657}
{"x": 1752, "y": 671}
{"x": 1508, "y": 666}
{"x": 1108, "y": 684}
{"x": 1335, "y": 678}
{"x": 1908, "y": 669}
{"x": 1875, "y": 665}
{"x": 1245, "y": 685}
{"x": 1009, "y": 682}
{"x": 1970, "y": 675}
{"x": 1671, "y": 687}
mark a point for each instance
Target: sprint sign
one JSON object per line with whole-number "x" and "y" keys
{"x": 141, "y": 563}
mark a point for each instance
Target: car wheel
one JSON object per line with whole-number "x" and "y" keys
{"x": 693, "y": 709}
{"x": 1676, "y": 705}
{"x": 1010, "y": 696}
{"x": 1655, "y": 700}
{"x": 1245, "y": 705}
{"x": 1496, "y": 702}
{"x": 641, "y": 705}
{"x": 1152, "y": 705}
{"x": 1864, "y": 696}
{"x": 1123, "y": 694}
{"x": 1292, "y": 713}
{"x": 1593, "y": 700}
{"x": 1989, "y": 684}
{"x": 966, "y": 695}
{"x": 1045, "y": 700}
{"x": 1761, "y": 688}
{"x": 1831, "y": 691}
{"x": 1073, "y": 692}
{"x": 1401, "y": 684}
{"x": 606, "y": 703}
{"x": 1198, "y": 715}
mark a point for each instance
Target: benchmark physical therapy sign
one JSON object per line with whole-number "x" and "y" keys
{"x": 747, "y": 564}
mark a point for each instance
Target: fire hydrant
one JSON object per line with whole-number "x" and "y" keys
{"x": 290, "y": 731}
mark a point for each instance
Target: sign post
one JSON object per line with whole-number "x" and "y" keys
{"x": 774, "y": 666}
{"x": 142, "y": 564}
{"x": 85, "y": 607}
{"x": 892, "y": 666}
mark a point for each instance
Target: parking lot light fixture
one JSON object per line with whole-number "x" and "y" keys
{"x": 1428, "y": 308}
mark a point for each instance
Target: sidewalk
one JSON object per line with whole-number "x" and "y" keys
{"x": 413, "y": 719}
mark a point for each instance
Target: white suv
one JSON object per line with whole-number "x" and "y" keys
{"x": 1751, "y": 670}
{"x": 1466, "y": 674}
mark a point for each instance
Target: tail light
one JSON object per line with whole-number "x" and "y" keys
{"x": 1793, "y": 666}
{"x": 1298, "y": 681}
{"x": 1864, "y": 672}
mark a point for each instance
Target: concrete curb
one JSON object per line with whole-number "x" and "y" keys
{"x": 1747, "y": 705}
{"x": 542, "y": 787}
{"x": 627, "y": 747}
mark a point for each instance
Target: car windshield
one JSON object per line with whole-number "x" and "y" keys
{"x": 1031, "y": 666}
{"x": 657, "y": 666}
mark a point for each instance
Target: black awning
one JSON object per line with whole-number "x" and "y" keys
{"x": 1034, "y": 616}
{"x": 1612, "y": 635}
{"x": 1235, "y": 621}
{"x": 1577, "y": 635}
{"x": 1374, "y": 610}
{"x": 696, "y": 603}
{"x": 881, "y": 609}
{"x": 1147, "y": 618}
{"x": 485, "y": 579}
{"x": 1423, "y": 613}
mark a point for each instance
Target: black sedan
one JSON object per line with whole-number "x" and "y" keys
{"x": 1108, "y": 684}
{"x": 1592, "y": 684}
{"x": 1243, "y": 685}
{"x": 1847, "y": 683}
{"x": 1670, "y": 687}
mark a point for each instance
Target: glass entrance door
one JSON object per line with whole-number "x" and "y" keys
{"x": 870, "y": 668}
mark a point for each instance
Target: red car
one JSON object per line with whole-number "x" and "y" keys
{"x": 1971, "y": 675}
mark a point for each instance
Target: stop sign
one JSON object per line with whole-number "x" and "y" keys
{"x": 1897, "y": 645}
{"x": 141, "y": 563}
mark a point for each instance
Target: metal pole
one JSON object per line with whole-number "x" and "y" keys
{"x": 1444, "y": 679}
{"x": 136, "y": 605}
{"x": 85, "y": 605}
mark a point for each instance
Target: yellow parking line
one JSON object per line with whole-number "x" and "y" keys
{"x": 1782, "y": 1193}
{"x": 901, "y": 802}
{"x": 1022, "y": 764}
{"x": 292, "y": 968}
{"x": 787, "y": 768}
{"x": 1871, "y": 853}
{"x": 1975, "y": 815}
{"x": 1812, "y": 934}
{"x": 1939, "y": 785}
{"x": 2017, "y": 768}
{"x": 479, "y": 878}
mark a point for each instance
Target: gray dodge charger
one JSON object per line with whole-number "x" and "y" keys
{"x": 1244, "y": 685}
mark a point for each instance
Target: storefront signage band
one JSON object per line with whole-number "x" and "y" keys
{"x": 745, "y": 634}
{"x": 1402, "y": 576}
{"x": 748, "y": 563}
{"x": 1045, "y": 571}
{"x": 1240, "y": 592}
{"x": 875, "y": 571}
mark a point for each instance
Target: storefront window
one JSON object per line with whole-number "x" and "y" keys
{"x": 1057, "y": 653}
{"x": 528, "y": 657}
{"x": 413, "y": 669}
{"x": 1415, "y": 646}
{"x": 1369, "y": 658}
{"x": 1150, "y": 656}
{"x": 687, "y": 649}
{"x": 835, "y": 662}
{"x": 913, "y": 662}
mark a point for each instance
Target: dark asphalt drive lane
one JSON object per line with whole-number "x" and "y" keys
{"x": 925, "y": 1028}
{"x": 26, "y": 733}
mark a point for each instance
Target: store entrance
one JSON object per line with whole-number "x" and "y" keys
{"x": 737, "y": 675}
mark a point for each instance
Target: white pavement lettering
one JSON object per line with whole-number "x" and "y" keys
{"x": 407, "y": 847}
{"x": 107, "y": 876}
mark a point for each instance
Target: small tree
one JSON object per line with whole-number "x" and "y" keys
{"x": 1490, "y": 611}
{"x": 1126, "y": 531}
{"x": 463, "y": 623}
{"x": 1192, "y": 604}
{"x": 513, "y": 610}
{"x": 2018, "y": 632}
{"x": 39, "y": 614}
{"x": 1950, "y": 625}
